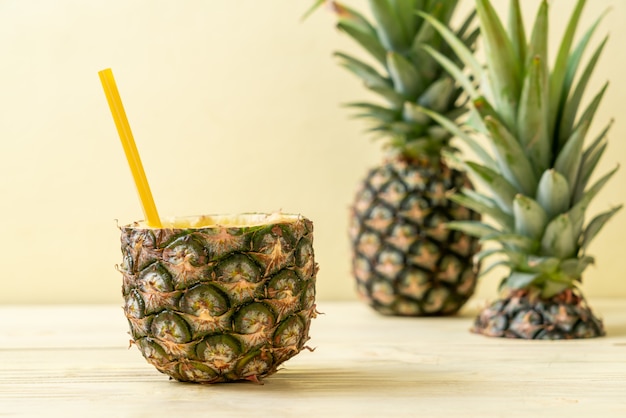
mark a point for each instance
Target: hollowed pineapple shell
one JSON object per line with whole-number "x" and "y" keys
{"x": 219, "y": 298}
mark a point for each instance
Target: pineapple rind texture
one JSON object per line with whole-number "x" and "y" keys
{"x": 215, "y": 303}
{"x": 405, "y": 261}
{"x": 520, "y": 315}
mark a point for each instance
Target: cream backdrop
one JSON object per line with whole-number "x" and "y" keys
{"x": 234, "y": 106}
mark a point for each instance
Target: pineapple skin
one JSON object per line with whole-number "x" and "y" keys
{"x": 405, "y": 261}
{"x": 219, "y": 304}
{"x": 523, "y": 315}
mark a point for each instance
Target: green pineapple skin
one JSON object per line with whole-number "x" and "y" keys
{"x": 218, "y": 303}
{"x": 405, "y": 261}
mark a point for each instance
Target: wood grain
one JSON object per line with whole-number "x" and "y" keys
{"x": 75, "y": 361}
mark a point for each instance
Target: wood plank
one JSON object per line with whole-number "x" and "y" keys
{"x": 75, "y": 361}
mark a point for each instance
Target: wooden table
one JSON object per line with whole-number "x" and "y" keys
{"x": 74, "y": 361}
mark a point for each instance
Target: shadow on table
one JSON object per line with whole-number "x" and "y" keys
{"x": 616, "y": 330}
{"x": 333, "y": 381}
{"x": 617, "y": 326}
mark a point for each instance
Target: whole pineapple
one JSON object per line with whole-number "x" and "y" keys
{"x": 217, "y": 299}
{"x": 537, "y": 177}
{"x": 404, "y": 260}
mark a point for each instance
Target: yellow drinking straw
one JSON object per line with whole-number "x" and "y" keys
{"x": 130, "y": 149}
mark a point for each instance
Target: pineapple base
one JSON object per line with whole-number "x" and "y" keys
{"x": 219, "y": 299}
{"x": 521, "y": 315}
{"x": 405, "y": 261}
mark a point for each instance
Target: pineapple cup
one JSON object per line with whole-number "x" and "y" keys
{"x": 219, "y": 298}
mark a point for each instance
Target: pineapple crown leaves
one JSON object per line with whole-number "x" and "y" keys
{"x": 402, "y": 73}
{"x": 538, "y": 170}
{"x": 316, "y": 5}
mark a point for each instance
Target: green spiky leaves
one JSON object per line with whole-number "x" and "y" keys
{"x": 406, "y": 78}
{"x": 536, "y": 174}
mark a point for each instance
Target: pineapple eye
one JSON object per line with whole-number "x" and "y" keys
{"x": 308, "y": 296}
{"x": 435, "y": 226}
{"x": 290, "y": 332}
{"x": 364, "y": 199}
{"x": 267, "y": 240}
{"x": 253, "y": 318}
{"x": 134, "y": 305}
{"x": 382, "y": 291}
{"x": 379, "y": 218}
{"x": 424, "y": 254}
{"x": 254, "y": 364}
{"x": 362, "y": 269}
{"x": 450, "y": 269}
{"x": 381, "y": 213}
{"x": 196, "y": 371}
{"x": 204, "y": 299}
{"x": 377, "y": 178}
{"x": 152, "y": 351}
{"x": 127, "y": 263}
{"x": 219, "y": 351}
{"x": 185, "y": 250}
{"x": 154, "y": 279}
{"x": 402, "y": 236}
{"x": 414, "y": 283}
{"x": 435, "y": 299}
{"x": 368, "y": 244}
{"x": 390, "y": 262}
{"x": 284, "y": 284}
{"x": 394, "y": 193}
{"x": 415, "y": 209}
{"x": 169, "y": 326}
{"x": 304, "y": 252}
{"x": 236, "y": 268}
{"x": 141, "y": 238}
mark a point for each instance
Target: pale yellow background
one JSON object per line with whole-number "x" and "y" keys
{"x": 234, "y": 106}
